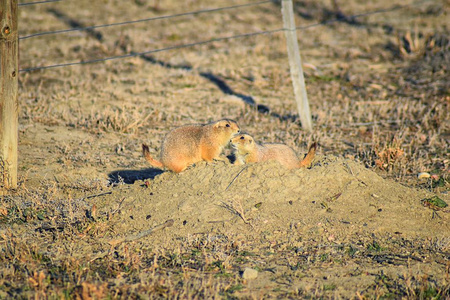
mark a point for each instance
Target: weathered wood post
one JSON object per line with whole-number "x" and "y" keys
{"x": 9, "y": 72}
{"x": 295, "y": 64}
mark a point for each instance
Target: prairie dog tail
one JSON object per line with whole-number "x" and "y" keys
{"x": 150, "y": 159}
{"x": 309, "y": 157}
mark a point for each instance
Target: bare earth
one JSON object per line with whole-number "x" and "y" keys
{"x": 85, "y": 221}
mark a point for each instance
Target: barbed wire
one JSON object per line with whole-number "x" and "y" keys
{"x": 153, "y": 51}
{"x": 145, "y": 20}
{"x": 135, "y": 54}
{"x": 38, "y": 2}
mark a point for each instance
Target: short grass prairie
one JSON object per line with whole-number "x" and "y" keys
{"x": 91, "y": 220}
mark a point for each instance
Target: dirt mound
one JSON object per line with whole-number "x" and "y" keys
{"x": 334, "y": 200}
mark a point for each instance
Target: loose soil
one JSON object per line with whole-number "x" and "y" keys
{"x": 357, "y": 224}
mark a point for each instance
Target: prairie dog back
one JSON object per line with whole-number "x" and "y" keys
{"x": 189, "y": 144}
{"x": 182, "y": 143}
{"x": 248, "y": 151}
{"x": 279, "y": 152}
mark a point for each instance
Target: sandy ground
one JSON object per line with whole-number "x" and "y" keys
{"x": 346, "y": 227}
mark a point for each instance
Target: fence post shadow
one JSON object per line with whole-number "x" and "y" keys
{"x": 131, "y": 176}
{"x": 223, "y": 87}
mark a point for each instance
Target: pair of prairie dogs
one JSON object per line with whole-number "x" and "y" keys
{"x": 189, "y": 144}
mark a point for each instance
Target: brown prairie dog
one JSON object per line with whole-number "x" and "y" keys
{"x": 189, "y": 144}
{"x": 248, "y": 151}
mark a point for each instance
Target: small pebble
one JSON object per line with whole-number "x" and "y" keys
{"x": 249, "y": 273}
{"x": 423, "y": 175}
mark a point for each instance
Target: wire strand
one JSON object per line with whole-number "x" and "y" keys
{"x": 144, "y": 20}
{"x": 152, "y": 51}
{"x": 214, "y": 40}
{"x": 38, "y": 2}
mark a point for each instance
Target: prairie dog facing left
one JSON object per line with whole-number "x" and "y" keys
{"x": 189, "y": 144}
{"x": 248, "y": 151}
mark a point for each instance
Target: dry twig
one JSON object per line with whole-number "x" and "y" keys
{"x": 238, "y": 209}
{"x": 130, "y": 238}
{"x": 236, "y": 177}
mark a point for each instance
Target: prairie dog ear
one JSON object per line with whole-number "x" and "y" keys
{"x": 219, "y": 124}
{"x": 223, "y": 124}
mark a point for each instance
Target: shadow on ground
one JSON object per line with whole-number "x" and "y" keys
{"x": 130, "y": 176}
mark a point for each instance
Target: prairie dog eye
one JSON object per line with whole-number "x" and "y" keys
{"x": 228, "y": 125}
{"x": 242, "y": 138}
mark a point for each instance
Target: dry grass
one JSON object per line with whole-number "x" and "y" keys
{"x": 206, "y": 266}
{"x": 379, "y": 94}
{"x": 236, "y": 208}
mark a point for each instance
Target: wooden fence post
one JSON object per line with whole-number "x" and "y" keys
{"x": 9, "y": 72}
{"x": 295, "y": 64}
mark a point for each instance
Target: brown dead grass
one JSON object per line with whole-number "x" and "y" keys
{"x": 379, "y": 95}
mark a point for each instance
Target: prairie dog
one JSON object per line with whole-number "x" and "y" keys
{"x": 248, "y": 151}
{"x": 189, "y": 144}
